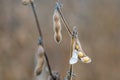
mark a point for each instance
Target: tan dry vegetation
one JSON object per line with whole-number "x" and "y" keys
{"x": 99, "y": 28}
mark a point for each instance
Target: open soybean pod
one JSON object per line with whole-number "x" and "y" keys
{"x": 39, "y": 60}
{"x": 74, "y": 56}
{"x": 78, "y": 52}
{"x": 57, "y": 26}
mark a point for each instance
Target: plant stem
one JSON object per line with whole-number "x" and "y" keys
{"x": 36, "y": 19}
{"x": 71, "y": 50}
{"x": 71, "y": 71}
{"x": 41, "y": 37}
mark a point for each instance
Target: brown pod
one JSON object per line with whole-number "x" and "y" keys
{"x": 39, "y": 60}
{"x": 57, "y": 26}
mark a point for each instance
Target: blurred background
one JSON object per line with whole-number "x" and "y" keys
{"x": 98, "y": 23}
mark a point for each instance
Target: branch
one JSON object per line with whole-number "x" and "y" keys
{"x": 36, "y": 19}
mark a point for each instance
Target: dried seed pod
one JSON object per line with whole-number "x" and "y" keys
{"x": 58, "y": 37}
{"x": 40, "y": 60}
{"x": 78, "y": 52}
{"x": 57, "y": 26}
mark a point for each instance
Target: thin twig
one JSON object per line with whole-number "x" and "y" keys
{"x": 49, "y": 68}
{"x": 36, "y": 18}
{"x": 41, "y": 37}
